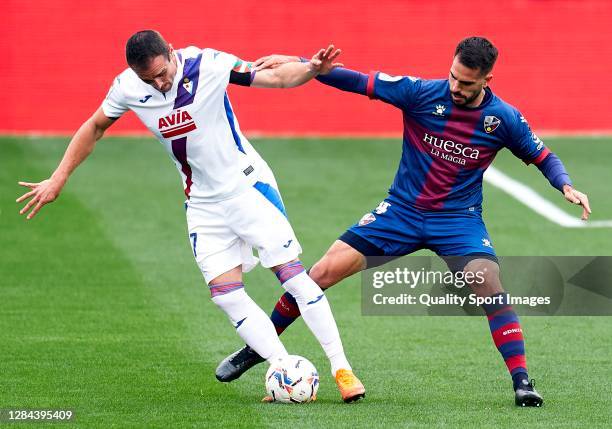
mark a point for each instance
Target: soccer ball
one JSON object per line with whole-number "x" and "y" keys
{"x": 292, "y": 379}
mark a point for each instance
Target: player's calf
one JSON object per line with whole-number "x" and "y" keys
{"x": 233, "y": 366}
{"x": 249, "y": 320}
{"x": 507, "y": 335}
{"x": 315, "y": 310}
{"x": 505, "y": 329}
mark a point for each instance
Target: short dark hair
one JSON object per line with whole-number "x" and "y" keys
{"x": 477, "y": 53}
{"x": 143, "y": 46}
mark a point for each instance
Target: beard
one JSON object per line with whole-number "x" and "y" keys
{"x": 464, "y": 101}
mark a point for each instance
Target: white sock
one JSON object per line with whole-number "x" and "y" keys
{"x": 318, "y": 317}
{"x": 252, "y": 324}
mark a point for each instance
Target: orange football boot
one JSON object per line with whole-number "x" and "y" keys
{"x": 349, "y": 385}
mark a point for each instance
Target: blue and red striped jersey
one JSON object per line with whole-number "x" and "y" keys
{"x": 447, "y": 148}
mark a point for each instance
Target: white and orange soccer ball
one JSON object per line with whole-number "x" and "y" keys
{"x": 292, "y": 379}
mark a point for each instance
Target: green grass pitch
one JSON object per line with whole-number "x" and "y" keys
{"x": 104, "y": 311}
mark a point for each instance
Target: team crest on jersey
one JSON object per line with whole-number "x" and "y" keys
{"x": 491, "y": 123}
{"x": 177, "y": 123}
{"x": 366, "y": 219}
{"x": 188, "y": 85}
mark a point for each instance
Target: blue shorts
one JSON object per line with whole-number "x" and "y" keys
{"x": 396, "y": 229}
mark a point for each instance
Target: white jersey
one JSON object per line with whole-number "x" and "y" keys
{"x": 195, "y": 123}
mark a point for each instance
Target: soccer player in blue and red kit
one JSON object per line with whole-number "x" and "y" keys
{"x": 453, "y": 128}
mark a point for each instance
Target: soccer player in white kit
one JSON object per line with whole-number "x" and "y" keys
{"x": 233, "y": 204}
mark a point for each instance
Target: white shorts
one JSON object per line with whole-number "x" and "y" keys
{"x": 223, "y": 234}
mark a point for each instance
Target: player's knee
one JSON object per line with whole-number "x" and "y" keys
{"x": 484, "y": 268}
{"x": 485, "y": 275}
{"x": 322, "y": 274}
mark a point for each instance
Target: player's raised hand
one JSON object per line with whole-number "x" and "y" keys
{"x": 40, "y": 194}
{"x": 323, "y": 61}
{"x": 576, "y": 197}
{"x": 273, "y": 61}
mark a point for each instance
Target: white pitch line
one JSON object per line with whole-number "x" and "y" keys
{"x": 527, "y": 196}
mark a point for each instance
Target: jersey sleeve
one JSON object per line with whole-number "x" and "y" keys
{"x": 223, "y": 65}
{"x": 400, "y": 91}
{"x": 115, "y": 105}
{"x": 524, "y": 143}
{"x": 242, "y": 73}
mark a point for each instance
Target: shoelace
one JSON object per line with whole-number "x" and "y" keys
{"x": 241, "y": 355}
{"x": 345, "y": 378}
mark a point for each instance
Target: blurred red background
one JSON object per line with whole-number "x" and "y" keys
{"x": 555, "y": 61}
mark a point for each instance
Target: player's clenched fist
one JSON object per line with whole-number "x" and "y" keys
{"x": 40, "y": 194}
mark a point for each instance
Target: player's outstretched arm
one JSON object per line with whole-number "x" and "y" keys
{"x": 339, "y": 77}
{"x": 290, "y": 74}
{"x": 80, "y": 147}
